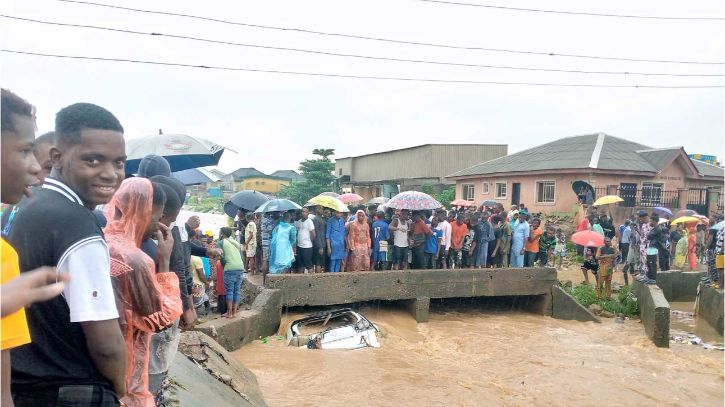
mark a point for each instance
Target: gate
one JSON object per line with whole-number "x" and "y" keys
{"x": 697, "y": 200}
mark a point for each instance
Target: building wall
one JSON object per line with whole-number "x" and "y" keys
{"x": 428, "y": 161}
{"x": 673, "y": 177}
{"x": 261, "y": 184}
{"x": 448, "y": 159}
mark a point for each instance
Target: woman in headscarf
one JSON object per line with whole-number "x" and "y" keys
{"x": 148, "y": 301}
{"x": 358, "y": 242}
{"x": 281, "y": 248}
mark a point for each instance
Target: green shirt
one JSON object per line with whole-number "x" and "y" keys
{"x": 546, "y": 244}
{"x": 597, "y": 228}
{"x": 232, "y": 255}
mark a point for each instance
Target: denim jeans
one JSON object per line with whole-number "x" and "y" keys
{"x": 233, "y": 285}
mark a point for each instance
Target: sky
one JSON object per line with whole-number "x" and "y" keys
{"x": 274, "y": 121}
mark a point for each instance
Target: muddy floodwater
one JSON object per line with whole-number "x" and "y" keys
{"x": 472, "y": 355}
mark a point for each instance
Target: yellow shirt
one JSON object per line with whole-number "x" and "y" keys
{"x": 14, "y": 327}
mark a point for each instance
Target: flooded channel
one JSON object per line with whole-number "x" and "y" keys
{"x": 472, "y": 354}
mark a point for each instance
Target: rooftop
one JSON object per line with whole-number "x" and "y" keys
{"x": 419, "y": 146}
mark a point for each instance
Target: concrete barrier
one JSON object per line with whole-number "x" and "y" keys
{"x": 415, "y": 287}
{"x": 679, "y": 286}
{"x": 564, "y": 306}
{"x": 262, "y": 319}
{"x": 346, "y": 288}
{"x": 654, "y": 312}
{"x": 710, "y": 307}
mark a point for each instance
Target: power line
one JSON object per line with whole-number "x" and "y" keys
{"x": 455, "y": 3}
{"x": 387, "y": 78}
{"x": 520, "y": 68}
{"x": 388, "y": 40}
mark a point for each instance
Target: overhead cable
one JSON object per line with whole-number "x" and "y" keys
{"x": 579, "y": 13}
{"x": 369, "y": 57}
{"x": 388, "y": 40}
{"x": 333, "y": 75}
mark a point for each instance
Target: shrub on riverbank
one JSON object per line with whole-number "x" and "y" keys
{"x": 622, "y": 302}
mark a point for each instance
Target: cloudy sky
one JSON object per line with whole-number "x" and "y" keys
{"x": 274, "y": 121}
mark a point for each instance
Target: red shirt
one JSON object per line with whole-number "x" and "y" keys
{"x": 583, "y": 225}
{"x": 458, "y": 232}
{"x": 220, "y": 279}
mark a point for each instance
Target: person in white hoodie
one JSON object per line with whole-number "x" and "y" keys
{"x": 446, "y": 241}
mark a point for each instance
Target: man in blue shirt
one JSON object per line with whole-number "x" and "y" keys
{"x": 335, "y": 235}
{"x": 432, "y": 245}
{"x": 381, "y": 234}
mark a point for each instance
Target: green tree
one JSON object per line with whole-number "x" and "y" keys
{"x": 318, "y": 174}
{"x": 444, "y": 197}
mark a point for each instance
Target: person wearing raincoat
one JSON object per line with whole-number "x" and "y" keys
{"x": 681, "y": 250}
{"x": 281, "y": 247}
{"x": 358, "y": 242}
{"x": 336, "y": 235}
{"x": 147, "y": 301}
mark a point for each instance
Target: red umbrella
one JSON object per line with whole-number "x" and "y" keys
{"x": 462, "y": 202}
{"x": 350, "y": 197}
{"x": 588, "y": 238}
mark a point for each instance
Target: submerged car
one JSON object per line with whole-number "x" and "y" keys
{"x": 336, "y": 329}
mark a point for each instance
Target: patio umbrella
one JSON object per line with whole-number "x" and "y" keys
{"x": 686, "y": 219}
{"x": 194, "y": 176}
{"x": 328, "y": 202}
{"x": 181, "y": 151}
{"x": 332, "y": 194}
{"x": 278, "y": 205}
{"x": 350, "y": 197}
{"x": 608, "y": 199}
{"x": 588, "y": 238}
{"x": 662, "y": 211}
{"x": 685, "y": 212}
{"x": 462, "y": 202}
{"x": 413, "y": 200}
{"x": 489, "y": 202}
{"x": 246, "y": 200}
{"x": 378, "y": 200}
{"x": 718, "y": 226}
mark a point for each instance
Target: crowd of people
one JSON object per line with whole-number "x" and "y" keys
{"x": 132, "y": 275}
{"x": 319, "y": 239}
{"x": 647, "y": 242}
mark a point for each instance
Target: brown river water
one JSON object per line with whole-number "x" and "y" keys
{"x": 472, "y": 354}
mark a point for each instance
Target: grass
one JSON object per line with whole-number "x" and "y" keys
{"x": 622, "y": 303}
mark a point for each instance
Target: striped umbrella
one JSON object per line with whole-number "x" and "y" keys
{"x": 414, "y": 201}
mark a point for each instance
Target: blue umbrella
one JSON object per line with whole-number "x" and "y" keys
{"x": 278, "y": 205}
{"x": 662, "y": 211}
{"x": 718, "y": 226}
{"x": 195, "y": 176}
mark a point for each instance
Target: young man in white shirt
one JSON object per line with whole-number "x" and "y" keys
{"x": 78, "y": 355}
{"x": 305, "y": 236}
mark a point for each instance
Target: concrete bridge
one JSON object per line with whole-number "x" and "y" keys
{"x": 416, "y": 287}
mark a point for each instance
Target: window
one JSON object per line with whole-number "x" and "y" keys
{"x": 485, "y": 188}
{"x": 501, "y": 190}
{"x": 468, "y": 192}
{"x": 652, "y": 193}
{"x": 545, "y": 191}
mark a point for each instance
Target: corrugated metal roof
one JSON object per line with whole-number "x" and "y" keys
{"x": 577, "y": 152}
{"x": 418, "y": 146}
{"x": 289, "y": 174}
{"x": 709, "y": 170}
{"x": 247, "y": 172}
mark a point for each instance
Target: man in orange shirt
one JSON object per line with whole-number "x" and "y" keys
{"x": 459, "y": 230}
{"x": 532, "y": 243}
{"x": 20, "y": 170}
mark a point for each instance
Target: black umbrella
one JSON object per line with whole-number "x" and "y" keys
{"x": 246, "y": 200}
{"x": 489, "y": 202}
{"x": 578, "y": 185}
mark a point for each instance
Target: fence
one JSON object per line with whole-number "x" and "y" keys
{"x": 647, "y": 197}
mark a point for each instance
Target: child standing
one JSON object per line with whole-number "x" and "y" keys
{"x": 559, "y": 248}
{"x": 606, "y": 255}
